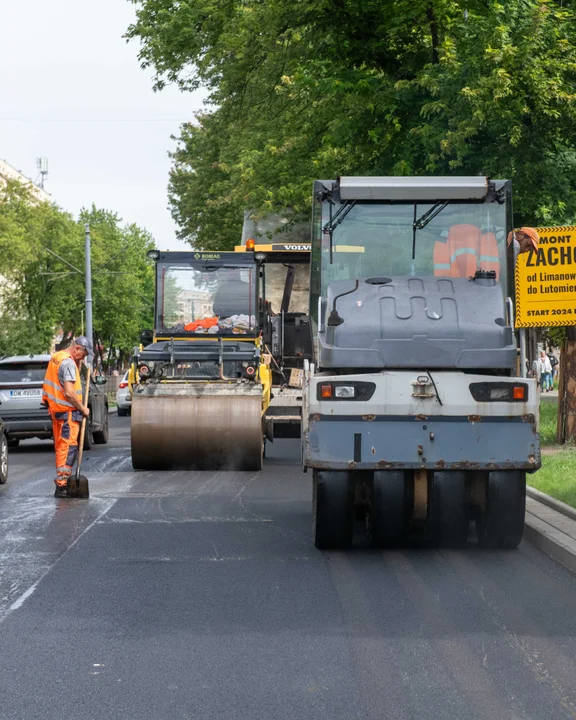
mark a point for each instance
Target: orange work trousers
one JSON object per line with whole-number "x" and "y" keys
{"x": 65, "y": 428}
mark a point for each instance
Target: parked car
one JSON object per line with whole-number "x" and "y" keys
{"x": 124, "y": 397}
{"x": 21, "y": 379}
{"x": 3, "y": 455}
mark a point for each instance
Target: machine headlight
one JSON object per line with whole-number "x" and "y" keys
{"x": 499, "y": 391}
{"x": 351, "y": 390}
{"x": 344, "y": 391}
{"x": 153, "y": 254}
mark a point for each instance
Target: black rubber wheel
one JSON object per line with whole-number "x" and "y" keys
{"x": 501, "y": 523}
{"x": 448, "y": 509}
{"x": 13, "y": 442}
{"x": 333, "y": 509}
{"x": 122, "y": 412}
{"x": 88, "y": 435}
{"x": 390, "y": 510}
{"x": 3, "y": 459}
{"x": 101, "y": 437}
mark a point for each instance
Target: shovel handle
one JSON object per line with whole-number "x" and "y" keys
{"x": 83, "y": 427}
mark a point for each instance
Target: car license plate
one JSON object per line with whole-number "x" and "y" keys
{"x": 29, "y": 392}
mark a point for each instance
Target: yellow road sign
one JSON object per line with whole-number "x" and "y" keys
{"x": 546, "y": 280}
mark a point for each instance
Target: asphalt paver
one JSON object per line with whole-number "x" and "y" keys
{"x": 201, "y": 595}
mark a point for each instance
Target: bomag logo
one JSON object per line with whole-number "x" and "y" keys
{"x": 207, "y": 256}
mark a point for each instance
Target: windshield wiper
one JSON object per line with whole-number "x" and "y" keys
{"x": 421, "y": 222}
{"x": 335, "y": 220}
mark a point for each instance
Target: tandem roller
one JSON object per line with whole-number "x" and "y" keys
{"x": 207, "y": 427}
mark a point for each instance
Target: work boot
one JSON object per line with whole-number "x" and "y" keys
{"x": 61, "y": 491}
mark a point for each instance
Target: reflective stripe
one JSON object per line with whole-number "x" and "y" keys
{"x": 489, "y": 258}
{"x": 59, "y": 387}
{"x": 441, "y": 266}
{"x": 462, "y": 251}
{"x": 56, "y": 400}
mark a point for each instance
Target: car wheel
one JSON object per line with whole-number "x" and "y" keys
{"x": 101, "y": 437}
{"x": 13, "y": 442}
{"x": 122, "y": 412}
{"x": 88, "y": 434}
{"x": 3, "y": 459}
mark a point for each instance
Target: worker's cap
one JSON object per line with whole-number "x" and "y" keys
{"x": 85, "y": 343}
{"x": 532, "y": 233}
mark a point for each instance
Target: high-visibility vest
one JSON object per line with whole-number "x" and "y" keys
{"x": 465, "y": 251}
{"x": 52, "y": 390}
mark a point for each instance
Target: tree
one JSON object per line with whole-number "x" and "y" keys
{"x": 303, "y": 89}
{"x": 41, "y": 294}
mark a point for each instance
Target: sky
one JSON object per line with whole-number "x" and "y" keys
{"x": 72, "y": 90}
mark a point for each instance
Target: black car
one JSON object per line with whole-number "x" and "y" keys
{"x": 3, "y": 455}
{"x": 21, "y": 379}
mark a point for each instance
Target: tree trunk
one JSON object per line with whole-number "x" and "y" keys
{"x": 433, "y": 32}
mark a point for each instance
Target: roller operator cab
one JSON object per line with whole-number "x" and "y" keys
{"x": 202, "y": 384}
{"x": 413, "y": 420}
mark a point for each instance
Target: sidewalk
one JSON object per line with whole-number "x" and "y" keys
{"x": 551, "y": 526}
{"x": 552, "y": 395}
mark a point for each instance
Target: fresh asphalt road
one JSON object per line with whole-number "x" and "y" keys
{"x": 201, "y": 595}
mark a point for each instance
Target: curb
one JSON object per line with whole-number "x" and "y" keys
{"x": 550, "y": 541}
{"x": 557, "y": 505}
{"x": 547, "y": 537}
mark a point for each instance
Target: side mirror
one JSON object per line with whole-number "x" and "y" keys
{"x": 100, "y": 380}
{"x": 147, "y": 337}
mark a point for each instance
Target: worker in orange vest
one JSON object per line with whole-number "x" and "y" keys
{"x": 527, "y": 239}
{"x": 466, "y": 250}
{"x": 62, "y": 394}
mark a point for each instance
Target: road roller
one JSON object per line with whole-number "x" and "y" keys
{"x": 415, "y": 425}
{"x": 203, "y": 380}
{"x": 225, "y": 332}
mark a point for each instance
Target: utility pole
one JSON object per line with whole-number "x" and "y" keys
{"x": 89, "y": 330}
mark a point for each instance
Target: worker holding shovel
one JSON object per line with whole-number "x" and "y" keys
{"x": 62, "y": 394}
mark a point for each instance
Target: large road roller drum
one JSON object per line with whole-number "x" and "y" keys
{"x": 211, "y": 427}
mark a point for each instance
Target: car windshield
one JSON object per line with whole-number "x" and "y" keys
{"x": 22, "y": 372}
{"x": 205, "y": 300}
{"x": 377, "y": 239}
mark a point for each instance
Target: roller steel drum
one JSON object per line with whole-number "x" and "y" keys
{"x": 205, "y": 429}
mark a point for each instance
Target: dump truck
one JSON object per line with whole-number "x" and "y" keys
{"x": 202, "y": 379}
{"x": 414, "y": 422}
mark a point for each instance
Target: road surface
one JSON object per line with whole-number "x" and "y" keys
{"x": 201, "y": 595}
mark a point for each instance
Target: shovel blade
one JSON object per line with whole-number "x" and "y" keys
{"x": 78, "y": 487}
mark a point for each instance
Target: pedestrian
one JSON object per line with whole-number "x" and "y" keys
{"x": 545, "y": 372}
{"x": 62, "y": 394}
{"x": 537, "y": 371}
{"x": 554, "y": 365}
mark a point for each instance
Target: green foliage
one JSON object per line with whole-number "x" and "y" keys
{"x": 548, "y": 421}
{"x": 557, "y": 477}
{"x": 41, "y": 295}
{"x": 304, "y": 89}
{"x": 554, "y": 337}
